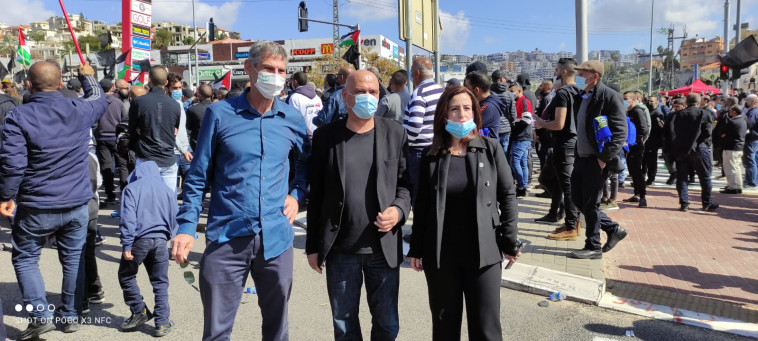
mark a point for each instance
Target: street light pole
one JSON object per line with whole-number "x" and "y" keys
{"x": 650, "y": 73}
{"x": 725, "y": 84}
{"x": 197, "y": 68}
{"x": 581, "y": 30}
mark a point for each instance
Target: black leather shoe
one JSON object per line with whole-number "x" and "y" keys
{"x": 35, "y": 329}
{"x": 544, "y": 194}
{"x": 548, "y": 218}
{"x": 731, "y": 191}
{"x": 587, "y": 254}
{"x": 671, "y": 180}
{"x": 614, "y": 238}
{"x": 710, "y": 207}
{"x": 643, "y": 202}
{"x": 684, "y": 208}
{"x": 649, "y": 183}
{"x": 632, "y": 199}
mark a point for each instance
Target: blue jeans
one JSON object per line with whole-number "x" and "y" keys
{"x": 505, "y": 141}
{"x": 152, "y": 252}
{"x": 520, "y": 161}
{"x": 169, "y": 174}
{"x": 344, "y": 279}
{"x": 414, "y": 162}
{"x": 622, "y": 175}
{"x": 750, "y": 159}
{"x": 30, "y": 231}
{"x": 182, "y": 165}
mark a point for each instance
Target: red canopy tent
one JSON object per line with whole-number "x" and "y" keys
{"x": 697, "y": 87}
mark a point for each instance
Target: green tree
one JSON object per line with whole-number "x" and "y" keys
{"x": 94, "y": 44}
{"x": 162, "y": 38}
{"x": 188, "y": 41}
{"x": 8, "y": 45}
{"x": 37, "y": 36}
{"x": 386, "y": 67}
{"x": 222, "y": 36}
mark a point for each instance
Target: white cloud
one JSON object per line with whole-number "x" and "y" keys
{"x": 562, "y": 46}
{"x": 702, "y": 17}
{"x": 17, "y": 12}
{"x": 224, "y": 15}
{"x": 455, "y": 32}
{"x": 365, "y": 12}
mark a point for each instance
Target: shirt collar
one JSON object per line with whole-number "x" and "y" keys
{"x": 240, "y": 104}
{"x": 46, "y": 94}
{"x": 425, "y": 81}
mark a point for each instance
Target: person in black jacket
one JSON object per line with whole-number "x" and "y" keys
{"x": 197, "y": 111}
{"x": 591, "y": 164}
{"x": 687, "y": 136}
{"x": 634, "y": 158}
{"x": 465, "y": 179}
{"x": 499, "y": 87}
{"x": 6, "y": 104}
{"x": 359, "y": 200}
{"x": 654, "y": 142}
{"x": 105, "y": 134}
{"x": 731, "y": 133}
{"x": 153, "y": 126}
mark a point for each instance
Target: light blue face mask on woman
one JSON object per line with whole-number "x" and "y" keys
{"x": 460, "y": 129}
{"x": 365, "y": 105}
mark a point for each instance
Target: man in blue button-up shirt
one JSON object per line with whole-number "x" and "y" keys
{"x": 242, "y": 152}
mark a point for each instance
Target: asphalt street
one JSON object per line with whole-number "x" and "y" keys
{"x": 309, "y": 311}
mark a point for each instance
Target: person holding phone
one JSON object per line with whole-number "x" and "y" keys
{"x": 458, "y": 232}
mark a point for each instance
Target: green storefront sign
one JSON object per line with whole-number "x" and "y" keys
{"x": 207, "y": 74}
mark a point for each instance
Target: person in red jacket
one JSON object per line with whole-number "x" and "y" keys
{"x": 521, "y": 139}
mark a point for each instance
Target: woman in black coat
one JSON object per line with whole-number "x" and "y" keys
{"x": 458, "y": 231}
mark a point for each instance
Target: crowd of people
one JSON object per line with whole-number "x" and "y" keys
{"x": 362, "y": 158}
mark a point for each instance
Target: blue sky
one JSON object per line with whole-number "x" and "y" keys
{"x": 469, "y": 27}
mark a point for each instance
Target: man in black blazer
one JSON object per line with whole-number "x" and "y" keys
{"x": 359, "y": 199}
{"x": 591, "y": 164}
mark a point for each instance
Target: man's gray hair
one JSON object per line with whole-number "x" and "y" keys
{"x": 425, "y": 72}
{"x": 262, "y": 48}
{"x": 753, "y": 98}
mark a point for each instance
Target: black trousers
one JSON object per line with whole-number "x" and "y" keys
{"x": 650, "y": 161}
{"x": 587, "y": 183}
{"x": 634, "y": 160}
{"x": 481, "y": 287}
{"x": 563, "y": 164}
{"x": 106, "y": 154}
{"x": 92, "y": 284}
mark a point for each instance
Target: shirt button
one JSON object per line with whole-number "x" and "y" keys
{"x": 481, "y": 164}
{"x": 262, "y": 219}
{"x": 263, "y": 178}
{"x": 486, "y": 183}
{"x": 262, "y": 198}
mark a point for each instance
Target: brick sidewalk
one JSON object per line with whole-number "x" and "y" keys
{"x": 708, "y": 255}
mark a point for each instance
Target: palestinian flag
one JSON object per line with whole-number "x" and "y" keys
{"x": 350, "y": 39}
{"x": 23, "y": 54}
{"x": 224, "y": 82}
{"x": 121, "y": 65}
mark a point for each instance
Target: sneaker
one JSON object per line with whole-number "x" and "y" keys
{"x": 136, "y": 320}
{"x": 548, "y": 218}
{"x": 99, "y": 240}
{"x": 643, "y": 202}
{"x": 520, "y": 192}
{"x": 544, "y": 194}
{"x": 649, "y": 183}
{"x": 731, "y": 191}
{"x": 97, "y": 298}
{"x": 610, "y": 206}
{"x": 71, "y": 326}
{"x": 161, "y": 331}
{"x": 110, "y": 199}
{"x": 35, "y": 329}
{"x": 563, "y": 233}
{"x": 684, "y": 208}
{"x": 711, "y": 207}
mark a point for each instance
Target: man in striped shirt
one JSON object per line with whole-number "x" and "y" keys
{"x": 419, "y": 115}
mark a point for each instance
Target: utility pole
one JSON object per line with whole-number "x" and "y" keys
{"x": 581, "y": 30}
{"x": 436, "y": 41}
{"x": 725, "y": 84}
{"x": 336, "y": 32}
{"x": 650, "y": 69}
{"x": 189, "y": 62}
{"x": 408, "y": 42}
{"x": 737, "y": 37}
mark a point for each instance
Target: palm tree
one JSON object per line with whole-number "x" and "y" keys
{"x": 8, "y": 45}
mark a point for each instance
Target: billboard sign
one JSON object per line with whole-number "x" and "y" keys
{"x": 136, "y": 20}
{"x": 140, "y": 43}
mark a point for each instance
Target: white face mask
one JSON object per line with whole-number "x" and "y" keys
{"x": 269, "y": 84}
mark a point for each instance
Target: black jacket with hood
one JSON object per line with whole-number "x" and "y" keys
{"x": 509, "y": 108}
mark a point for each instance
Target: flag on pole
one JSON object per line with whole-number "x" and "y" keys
{"x": 224, "y": 82}
{"x": 3, "y": 72}
{"x": 23, "y": 54}
{"x": 352, "y": 56}
{"x": 121, "y": 64}
{"x": 697, "y": 72}
{"x": 11, "y": 65}
{"x": 350, "y": 39}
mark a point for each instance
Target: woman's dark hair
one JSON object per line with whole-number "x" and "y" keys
{"x": 442, "y": 138}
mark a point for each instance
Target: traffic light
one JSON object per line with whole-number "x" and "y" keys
{"x": 737, "y": 73}
{"x": 302, "y": 16}
{"x": 724, "y": 71}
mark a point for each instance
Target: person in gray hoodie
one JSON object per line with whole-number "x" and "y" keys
{"x": 148, "y": 221}
{"x": 499, "y": 87}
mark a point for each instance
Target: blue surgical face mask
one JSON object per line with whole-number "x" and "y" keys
{"x": 365, "y": 105}
{"x": 580, "y": 80}
{"x": 718, "y": 106}
{"x": 460, "y": 129}
{"x": 626, "y": 104}
{"x": 176, "y": 94}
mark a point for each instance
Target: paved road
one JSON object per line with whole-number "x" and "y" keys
{"x": 309, "y": 313}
